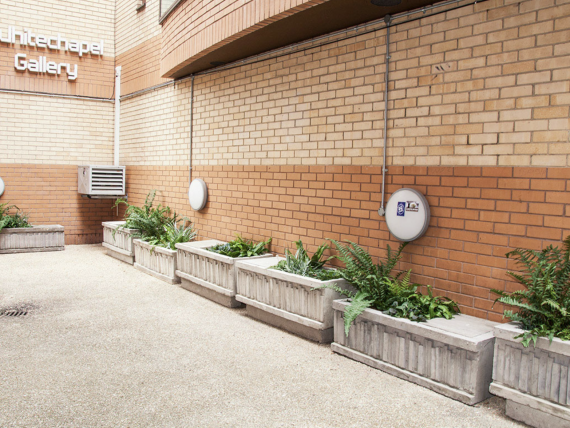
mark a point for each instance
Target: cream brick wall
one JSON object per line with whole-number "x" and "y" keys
{"x": 155, "y": 127}
{"x": 134, "y": 28}
{"x": 62, "y": 131}
{"x": 87, "y": 20}
{"x": 481, "y": 85}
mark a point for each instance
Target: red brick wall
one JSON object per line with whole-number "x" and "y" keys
{"x": 477, "y": 214}
{"x": 49, "y": 194}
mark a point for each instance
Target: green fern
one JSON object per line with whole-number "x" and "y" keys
{"x": 175, "y": 234}
{"x": 158, "y": 226}
{"x": 378, "y": 288}
{"x": 543, "y": 306}
{"x": 12, "y": 220}
{"x": 407, "y": 302}
{"x": 240, "y": 247}
{"x": 358, "y": 304}
{"x": 372, "y": 279}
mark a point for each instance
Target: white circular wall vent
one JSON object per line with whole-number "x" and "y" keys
{"x": 198, "y": 194}
{"x": 407, "y": 214}
{"x": 2, "y": 187}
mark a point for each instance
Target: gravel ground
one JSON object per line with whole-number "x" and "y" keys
{"x": 104, "y": 345}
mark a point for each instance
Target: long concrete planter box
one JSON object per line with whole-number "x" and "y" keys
{"x": 119, "y": 241}
{"x": 535, "y": 381}
{"x": 32, "y": 239}
{"x": 452, "y": 357}
{"x": 209, "y": 274}
{"x": 286, "y": 300}
{"x": 156, "y": 261}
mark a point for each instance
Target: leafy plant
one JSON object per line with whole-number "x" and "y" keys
{"x": 544, "y": 307}
{"x": 240, "y": 247}
{"x": 14, "y": 220}
{"x": 174, "y": 234}
{"x": 156, "y": 225}
{"x": 411, "y": 304}
{"x": 377, "y": 288}
{"x": 302, "y": 264}
{"x": 148, "y": 220}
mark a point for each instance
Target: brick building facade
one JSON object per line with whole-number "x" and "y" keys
{"x": 291, "y": 143}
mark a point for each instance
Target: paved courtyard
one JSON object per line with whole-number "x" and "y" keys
{"x": 104, "y": 345}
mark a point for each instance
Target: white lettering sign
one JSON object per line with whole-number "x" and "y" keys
{"x": 42, "y": 65}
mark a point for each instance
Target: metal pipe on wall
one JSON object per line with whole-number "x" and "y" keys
{"x": 117, "y": 114}
{"x": 197, "y": 188}
{"x": 387, "y": 20}
{"x": 191, "y": 129}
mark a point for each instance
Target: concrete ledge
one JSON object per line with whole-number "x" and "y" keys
{"x": 32, "y": 239}
{"x": 213, "y": 272}
{"x": 119, "y": 241}
{"x": 117, "y": 250}
{"x": 288, "y": 296}
{"x": 156, "y": 261}
{"x": 262, "y": 267}
{"x": 433, "y": 355}
{"x": 119, "y": 256}
{"x": 31, "y": 250}
{"x": 33, "y": 229}
{"x": 535, "y": 378}
{"x": 462, "y": 331}
{"x": 276, "y": 312}
{"x": 532, "y": 417}
{"x": 200, "y": 290}
{"x": 117, "y": 224}
{"x": 316, "y": 335}
{"x": 156, "y": 274}
{"x": 509, "y": 331}
{"x": 448, "y": 391}
{"x": 200, "y": 282}
{"x": 201, "y": 248}
{"x": 533, "y": 411}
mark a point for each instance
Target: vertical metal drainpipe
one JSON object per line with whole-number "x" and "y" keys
{"x": 387, "y": 20}
{"x": 117, "y": 115}
{"x": 191, "y": 129}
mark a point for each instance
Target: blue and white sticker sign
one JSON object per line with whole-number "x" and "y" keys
{"x": 401, "y": 209}
{"x": 407, "y": 214}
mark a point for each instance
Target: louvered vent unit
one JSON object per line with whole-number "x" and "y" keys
{"x": 100, "y": 181}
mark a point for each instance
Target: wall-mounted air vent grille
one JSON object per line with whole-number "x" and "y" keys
{"x": 101, "y": 180}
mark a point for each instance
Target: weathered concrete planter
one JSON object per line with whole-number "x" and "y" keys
{"x": 32, "y": 239}
{"x": 209, "y": 274}
{"x": 156, "y": 261}
{"x": 286, "y": 300}
{"x": 535, "y": 381}
{"x": 119, "y": 246}
{"x": 451, "y": 357}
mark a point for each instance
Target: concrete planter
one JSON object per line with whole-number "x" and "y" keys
{"x": 209, "y": 274}
{"x": 32, "y": 239}
{"x": 156, "y": 261}
{"x": 451, "y": 357}
{"x": 285, "y": 300}
{"x": 119, "y": 246}
{"x": 535, "y": 381}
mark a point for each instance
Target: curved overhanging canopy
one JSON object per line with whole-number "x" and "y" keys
{"x": 320, "y": 19}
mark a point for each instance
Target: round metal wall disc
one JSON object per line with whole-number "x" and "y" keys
{"x": 198, "y": 194}
{"x": 407, "y": 214}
